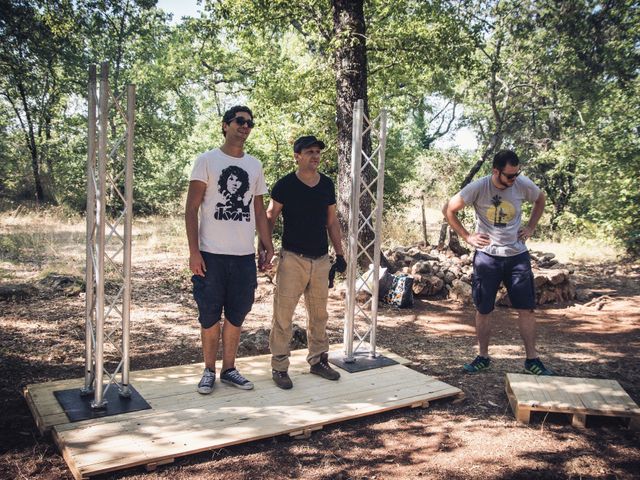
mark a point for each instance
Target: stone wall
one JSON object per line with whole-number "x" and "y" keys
{"x": 446, "y": 275}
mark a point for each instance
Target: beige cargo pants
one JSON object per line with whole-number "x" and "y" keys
{"x": 297, "y": 275}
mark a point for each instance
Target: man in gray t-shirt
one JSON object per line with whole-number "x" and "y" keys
{"x": 501, "y": 253}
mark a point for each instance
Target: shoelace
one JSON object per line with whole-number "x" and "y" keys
{"x": 208, "y": 375}
{"x": 235, "y": 375}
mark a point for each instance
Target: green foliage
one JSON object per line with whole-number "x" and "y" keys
{"x": 556, "y": 81}
{"x": 610, "y": 171}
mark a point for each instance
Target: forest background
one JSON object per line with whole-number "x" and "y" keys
{"x": 556, "y": 81}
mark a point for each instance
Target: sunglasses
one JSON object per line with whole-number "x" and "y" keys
{"x": 510, "y": 176}
{"x": 241, "y": 121}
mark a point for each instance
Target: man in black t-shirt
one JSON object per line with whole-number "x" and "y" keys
{"x": 307, "y": 201}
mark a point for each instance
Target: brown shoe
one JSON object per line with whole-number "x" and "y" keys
{"x": 282, "y": 379}
{"x": 323, "y": 368}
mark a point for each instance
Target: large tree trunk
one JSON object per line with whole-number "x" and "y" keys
{"x": 350, "y": 65}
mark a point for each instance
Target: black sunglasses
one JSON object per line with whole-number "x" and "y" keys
{"x": 241, "y": 121}
{"x": 510, "y": 176}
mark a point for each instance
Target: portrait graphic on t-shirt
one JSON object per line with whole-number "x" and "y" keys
{"x": 233, "y": 184}
{"x": 501, "y": 212}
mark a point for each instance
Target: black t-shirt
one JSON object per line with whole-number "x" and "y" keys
{"x": 304, "y": 212}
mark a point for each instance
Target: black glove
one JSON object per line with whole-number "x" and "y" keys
{"x": 340, "y": 264}
{"x": 332, "y": 275}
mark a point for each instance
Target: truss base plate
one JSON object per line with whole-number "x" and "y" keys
{"x": 78, "y": 406}
{"x": 362, "y": 361}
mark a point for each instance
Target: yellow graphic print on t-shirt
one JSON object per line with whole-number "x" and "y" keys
{"x": 501, "y": 212}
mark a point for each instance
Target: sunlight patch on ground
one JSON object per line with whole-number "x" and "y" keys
{"x": 578, "y": 250}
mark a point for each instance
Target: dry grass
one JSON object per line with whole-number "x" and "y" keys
{"x": 405, "y": 228}
{"x": 36, "y": 242}
{"x": 42, "y": 340}
{"x": 579, "y": 250}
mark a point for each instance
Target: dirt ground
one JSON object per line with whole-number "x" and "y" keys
{"x": 42, "y": 339}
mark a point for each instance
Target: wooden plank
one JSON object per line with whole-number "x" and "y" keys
{"x": 152, "y": 383}
{"x": 580, "y": 397}
{"x": 223, "y": 395}
{"x": 150, "y": 467}
{"x": 521, "y": 412}
{"x": 35, "y": 412}
{"x": 376, "y": 398}
{"x": 579, "y": 420}
{"x": 213, "y": 412}
{"x": 609, "y": 396}
{"x": 589, "y": 395}
{"x": 617, "y": 399}
{"x": 182, "y": 422}
{"x": 522, "y": 387}
{"x": 305, "y": 433}
{"x": 263, "y": 393}
{"x": 560, "y": 398}
{"x": 206, "y": 439}
{"x": 311, "y": 390}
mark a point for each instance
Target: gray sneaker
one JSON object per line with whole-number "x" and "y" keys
{"x": 323, "y": 369}
{"x": 282, "y": 379}
{"x": 205, "y": 387}
{"x": 231, "y": 376}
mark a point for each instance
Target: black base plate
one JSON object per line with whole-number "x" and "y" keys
{"x": 77, "y": 406}
{"x": 362, "y": 361}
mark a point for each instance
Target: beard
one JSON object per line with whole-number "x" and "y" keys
{"x": 505, "y": 185}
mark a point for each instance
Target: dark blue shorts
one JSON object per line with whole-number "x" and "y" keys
{"x": 515, "y": 272}
{"x": 229, "y": 284}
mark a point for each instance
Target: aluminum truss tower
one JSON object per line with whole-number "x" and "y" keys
{"x": 367, "y": 186}
{"x": 109, "y": 218}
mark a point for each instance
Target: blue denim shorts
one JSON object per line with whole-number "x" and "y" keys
{"x": 515, "y": 272}
{"x": 229, "y": 284}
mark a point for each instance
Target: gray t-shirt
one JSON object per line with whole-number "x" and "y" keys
{"x": 499, "y": 212}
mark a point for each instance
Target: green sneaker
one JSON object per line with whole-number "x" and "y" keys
{"x": 479, "y": 363}
{"x": 536, "y": 367}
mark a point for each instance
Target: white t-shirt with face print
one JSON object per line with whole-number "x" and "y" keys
{"x": 499, "y": 212}
{"x": 227, "y": 218}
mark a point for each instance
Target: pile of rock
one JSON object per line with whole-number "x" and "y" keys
{"x": 444, "y": 274}
{"x": 257, "y": 343}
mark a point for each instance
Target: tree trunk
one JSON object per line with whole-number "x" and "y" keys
{"x": 31, "y": 143}
{"x": 424, "y": 220}
{"x": 350, "y": 66}
{"x": 494, "y": 144}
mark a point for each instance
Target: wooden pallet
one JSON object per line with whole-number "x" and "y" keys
{"x": 182, "y": 422}
{"x": 579, "y": 397}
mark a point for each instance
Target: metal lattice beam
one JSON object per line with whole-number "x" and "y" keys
{"x": 108, "y": 249}
{"x": 361, "y": 318}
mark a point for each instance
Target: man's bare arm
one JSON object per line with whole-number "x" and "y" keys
{"x": 265, "y": 251}
{"x": 450, "y": 211}
{"x": 538, "y": 209}
{"x": 273, "y": 211}
{"x": 195, "y": 196}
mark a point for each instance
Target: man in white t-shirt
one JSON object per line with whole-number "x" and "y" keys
{"x": 226, "y": 189}
{"x": 501, "y": 253}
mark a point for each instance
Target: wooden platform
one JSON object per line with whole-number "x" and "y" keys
{"x": 182, "y": 422}
{"x": 579, "y": 397}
